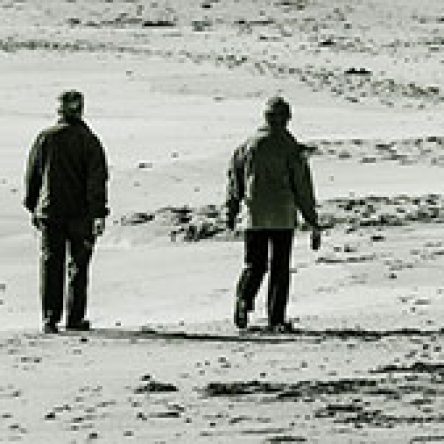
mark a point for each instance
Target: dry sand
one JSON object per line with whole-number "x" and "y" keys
{"x": 172, "y": 87}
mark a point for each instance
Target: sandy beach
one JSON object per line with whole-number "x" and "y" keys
{"x": 171, "y": 89}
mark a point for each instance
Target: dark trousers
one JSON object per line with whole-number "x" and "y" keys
{"x": 257, "y": 245}
{"x": 58, "y": 237}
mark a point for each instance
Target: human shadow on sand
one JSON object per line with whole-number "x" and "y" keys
{"x": 256, "y": 334}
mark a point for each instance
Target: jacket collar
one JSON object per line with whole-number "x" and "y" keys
{"x": 273, "y": 130}
{"x": 70, "y": 121}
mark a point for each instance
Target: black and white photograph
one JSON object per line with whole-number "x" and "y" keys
{"x": 222, "y": 221}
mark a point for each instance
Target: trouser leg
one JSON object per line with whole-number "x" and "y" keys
{"x": 81, "y": 244}
{"x": 279, "y": 279}
{"x": 52, "y": 271}
{"x": 255, "y": 266}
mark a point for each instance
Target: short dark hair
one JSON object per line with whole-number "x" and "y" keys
{"x": 277, "y": 106}
{"x": 71, "y": 102}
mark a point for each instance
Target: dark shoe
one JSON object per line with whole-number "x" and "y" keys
{"x": 83, "y": 325}
{"x": 241, "y": 314}
{"x": 50, "y": 328}
{"x": 281, "y": 327}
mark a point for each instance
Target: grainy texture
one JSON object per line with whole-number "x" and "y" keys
{"x": 172, "y": 87}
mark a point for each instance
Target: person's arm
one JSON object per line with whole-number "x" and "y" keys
{"x": 34, "y": 173}
{"x": 305, "y": 196}
{"x": 301, "y": 180}
{"x": 235, "y": 187}
{"x": 96, "y": 185}
{"x": 304, "y": 190}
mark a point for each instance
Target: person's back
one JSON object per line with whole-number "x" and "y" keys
{"x": 269, "y": 160}
{"x": 72, "y": 174}
{"x": 66, "y": 195}
{"x": 270, "y": 174}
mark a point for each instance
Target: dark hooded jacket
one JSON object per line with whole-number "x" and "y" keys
{"x": 270, "y": 173}
{"x": 67, "y": 173}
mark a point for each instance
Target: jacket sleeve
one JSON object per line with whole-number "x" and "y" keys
{"x": 96, "y": 180}
{"x": 303, "y": 186}
{"x": 235, "y": 187}
{"x": 34, "y": 173}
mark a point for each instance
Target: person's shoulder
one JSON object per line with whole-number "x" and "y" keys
{"x": 298, "y": 150}
{"x": 56, "y": 128}
{"x": 82, "y": 127}
{"x": 260, "y": 136}
{"x": 247, "y": 145}
{"x": 251, "y": 143}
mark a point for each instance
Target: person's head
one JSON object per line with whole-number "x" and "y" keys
{"x": 71, "y": 104}
{"x": 277, "y": 112}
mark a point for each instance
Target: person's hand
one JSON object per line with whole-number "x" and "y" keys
{"x": 36, "y": 222}
{"x": 98, "y": 226}
{"x": 231, "y": 223}
{"x": 315, "y": 239}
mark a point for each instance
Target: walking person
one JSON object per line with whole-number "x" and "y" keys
{"x": 270, "y": 173}
{"x": 66, "y": 194}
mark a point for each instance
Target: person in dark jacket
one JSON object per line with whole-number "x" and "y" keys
{"x": 271, "y": 175}
{"x": 66, "y": 194}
